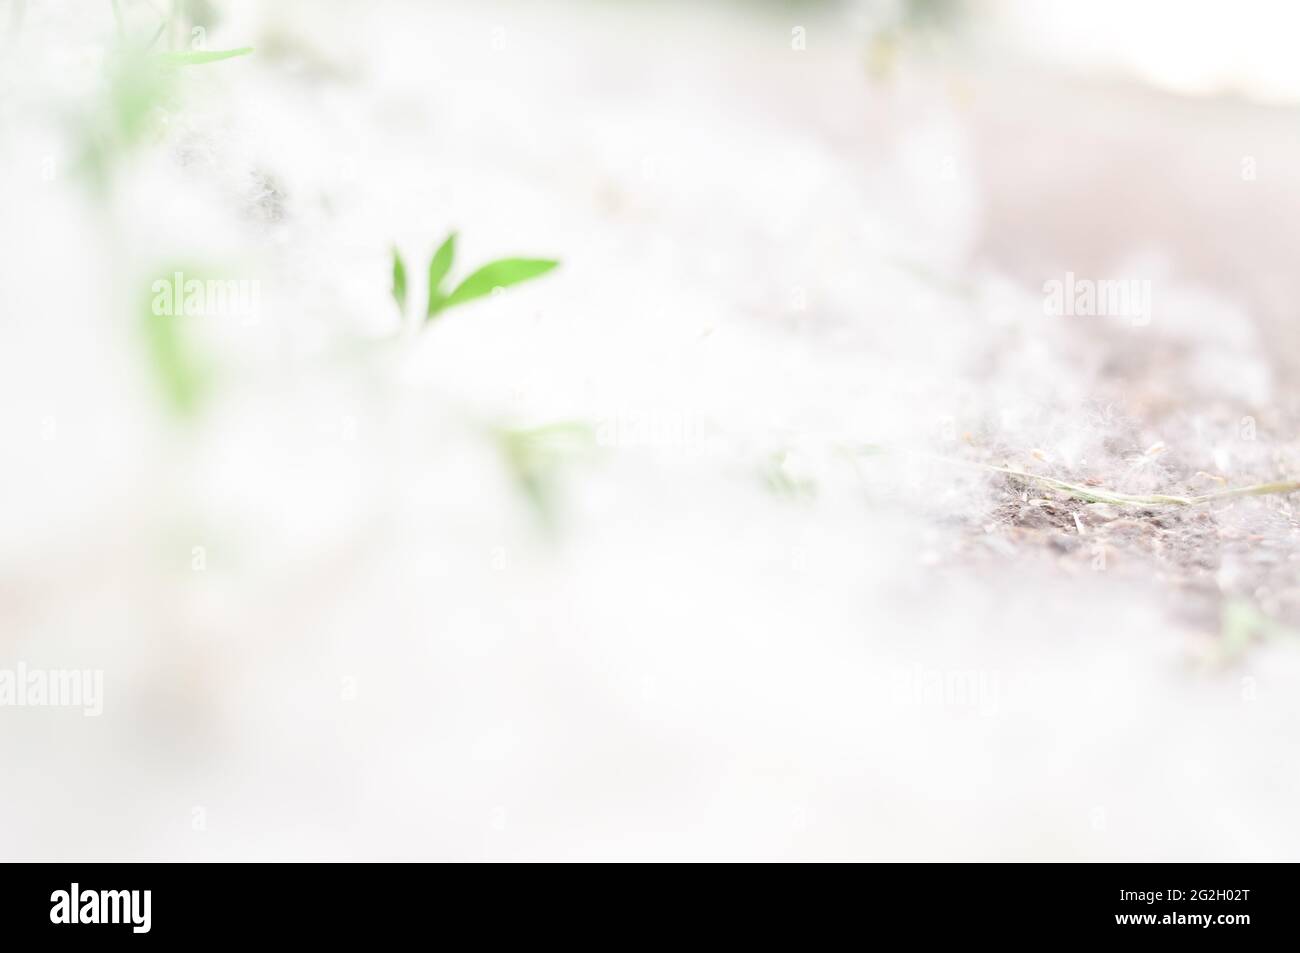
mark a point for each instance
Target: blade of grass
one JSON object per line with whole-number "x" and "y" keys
{"x": 1099, "y": 495}
{"x": 1092, "y": 494}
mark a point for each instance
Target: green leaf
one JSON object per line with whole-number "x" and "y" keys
{"x": 439, "y": 265}
{"x": 399, "y": 281}
{"x": 498, "y": 274}
{"x": 199, "y": 57}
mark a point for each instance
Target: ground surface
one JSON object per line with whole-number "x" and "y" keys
{"x": 719, "y": 624}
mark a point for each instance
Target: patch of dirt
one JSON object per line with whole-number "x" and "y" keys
{"x": 1207, "y": 556}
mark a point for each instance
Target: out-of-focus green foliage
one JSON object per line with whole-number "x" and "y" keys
{"x": 140, "y": 86}
{"x": 536, "y": 458}
{"x": 183, "y": 376}
{"x": 780, "y": 481}
{"x": 199, "y": 57}
{"x": 399, "y": 281}
{"x": 1242, "y": 623}
{"x": 909, "y": 25}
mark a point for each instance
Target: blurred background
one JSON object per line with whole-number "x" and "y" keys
{"x": 689, "y": 549}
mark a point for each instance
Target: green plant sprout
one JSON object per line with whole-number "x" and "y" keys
{"x": 501, "y": 273}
